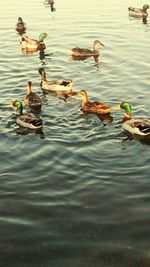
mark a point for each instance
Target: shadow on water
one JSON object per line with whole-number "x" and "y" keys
{"x": 25, "y": 131}
{"x": 127, "y": 137}
{"x": 105, "y": 119}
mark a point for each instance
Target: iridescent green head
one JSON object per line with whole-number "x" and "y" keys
{"x": 42, "y": 36}
{"x": 42, "y": 73}
{"x": 18, "y": 105}
{"x": 145, "y": 7}
{"x": 127, "y": 108}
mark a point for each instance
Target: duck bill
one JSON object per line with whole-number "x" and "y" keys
{"x": 102, "y": 44}
{"x": 117, "y": 107}
{"x": 8, "y": 105}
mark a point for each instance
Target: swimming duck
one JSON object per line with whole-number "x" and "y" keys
{"x": 27, "y": 120}
{"x": 134, "y": 126}
{"x": 32, "y": 99}
{"x": 21, "y": 26}
{"x": 93, "y": 107}
{"x": 59, "y": 87}
{"x": 138, "y": 12}
{"x": 31, "y": 44}
{"x": 84, "y": 52}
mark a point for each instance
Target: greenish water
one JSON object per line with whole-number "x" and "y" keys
{"x": 80, "y": 196}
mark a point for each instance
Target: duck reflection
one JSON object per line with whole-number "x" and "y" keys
{"x": 25, "y": 131}
{"x": 44, "y": 56}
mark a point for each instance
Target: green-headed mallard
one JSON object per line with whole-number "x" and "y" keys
{"x": 32, "y": 100}
{"x": 84, "y": 52}
{"x": 27, "y": 120}
{"x": 31, "y": 44}
{"x": 21, "y": 26}
{"x": 59, "y": 87}
{"x": 93, "y": 107}
{"x": 134, "y": 126}
{"x": 138, "y": 12}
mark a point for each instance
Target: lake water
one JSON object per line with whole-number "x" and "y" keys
{"x": 80, "y": 196}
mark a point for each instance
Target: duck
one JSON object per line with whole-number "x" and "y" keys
{"x": 138, "y": 12}
{"x": 84, "y": 52}
{"x": 26, "y": 120}
{"x": 32, "y": 44}
{"x": 136, "y": 127}
{"x": 21, "y": 26}
{"x": 93, "y": 107}
{"x": 32, "y": 100}
{"x": 58, "y": 87}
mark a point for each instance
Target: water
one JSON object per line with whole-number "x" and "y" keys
{"x": 80, "y": 196}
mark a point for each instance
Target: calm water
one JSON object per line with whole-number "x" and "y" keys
{"x": 80, "y": 196}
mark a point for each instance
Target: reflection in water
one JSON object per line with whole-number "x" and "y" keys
{"x": 141, "y": 139}
{"x": 103, "y": 118}
{"x": 83, "y": 58}
{"x": 145, "y": 21}
{"x": 43, "y": 57}
{"x": 28, "y": 51}
{"x": 25, "y": 131}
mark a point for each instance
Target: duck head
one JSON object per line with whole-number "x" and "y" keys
{"x": 83, "y": 94}
{"x": 145, "y": 7}
{"x": 29, "y": 87}
{"x": 18, "y": 105}
{"x": 97, "y": 44}
{"x": 42, "y": 36}
{"x": 128, "y": 110}
{"x": 20, "y": 20}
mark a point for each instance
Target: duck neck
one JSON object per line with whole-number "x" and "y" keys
{"x": 20, "y": 109}
{"x": 126, "y": 117}
{"x": 96, "y": 47}
{"x": 29, "y": 88}
{"x": 85, "y": 100}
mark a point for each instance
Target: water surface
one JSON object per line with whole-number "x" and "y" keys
{"x": 80, "y": 196}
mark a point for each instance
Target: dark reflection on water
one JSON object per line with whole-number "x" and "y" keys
{"x": 79, "y": 196}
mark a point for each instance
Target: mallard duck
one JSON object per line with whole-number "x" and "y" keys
{"x": 21, "y": 26}
{"x": 93, "y": 107}
{"x": 27, "y": 120}
{"x": 59, "y": 87}
{"x": 30, "y": 44}
{"x": 32, "y": 99}
{"x": 138, "y": 12}
{"x": 134, "y": 126}
{"x": 84, "y": 52}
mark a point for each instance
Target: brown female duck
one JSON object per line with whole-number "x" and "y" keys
{"x": 32, "y": 100}
{"x": 84, "y": 52}
{"x": 93, "y": 107}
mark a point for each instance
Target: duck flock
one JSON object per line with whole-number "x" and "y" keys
{"x": 135, "y": 127}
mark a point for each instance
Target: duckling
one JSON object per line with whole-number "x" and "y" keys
{"x": 84, "y": 52}
{"x": 59, "y": 87}
{"x": 138, "y": 12}
{"x": 93, "y": 107}
{"x": 21, "y": 26}
{"x": 27, "y": 120}
{"x": 32, "y": 99}
{"x": 32, "y": 44}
